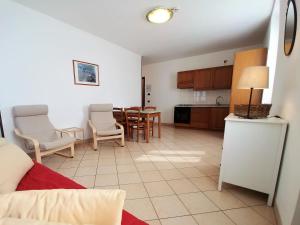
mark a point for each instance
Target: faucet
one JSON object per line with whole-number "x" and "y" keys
{"x": 218, "y": 100}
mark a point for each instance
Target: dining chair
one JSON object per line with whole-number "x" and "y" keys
{"x": 152, "y": 120}
{"x": 134, "y": 121}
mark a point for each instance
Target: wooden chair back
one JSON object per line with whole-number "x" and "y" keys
{"x": 150, "y": 108}
{"x": 119, "y": 115}
{"x": 133, "y": 115}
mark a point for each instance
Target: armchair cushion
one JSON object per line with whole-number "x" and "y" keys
{"x": 30, "y": 110}
{"x": 102, "y": 118}
{"x": 109, "y": 132}
{"x": 33, "y": 121}
{"x": 12, "y": 173}
{"x": 56, "y": 143}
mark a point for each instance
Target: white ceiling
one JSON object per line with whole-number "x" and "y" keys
{"x": 200, "y": 26}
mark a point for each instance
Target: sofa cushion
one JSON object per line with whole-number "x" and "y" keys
{"x": 84, "y": 206}
{"x": 14, "y": 164}
{"x": 16, "y": 221}
{"x": 40, "y": 177}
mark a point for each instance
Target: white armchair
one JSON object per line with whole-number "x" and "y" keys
{"x": 34, "y": 127}
{"x": 103, "y": 125}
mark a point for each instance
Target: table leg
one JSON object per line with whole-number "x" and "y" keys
{"x": 148, "y": 129}
{"x": 159, "y": 133}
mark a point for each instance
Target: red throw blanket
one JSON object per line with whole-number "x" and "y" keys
{"x": 40, "y": 177}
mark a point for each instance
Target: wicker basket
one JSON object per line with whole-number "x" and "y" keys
{"x": 256, "y": 111}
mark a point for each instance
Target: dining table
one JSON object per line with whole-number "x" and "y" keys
{"x": 147, "y": 115}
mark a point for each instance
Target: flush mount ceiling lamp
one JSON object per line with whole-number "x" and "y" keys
{"x": 160, "y": 15}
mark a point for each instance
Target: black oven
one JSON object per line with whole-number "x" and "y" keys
{"x": 182, "y": 115}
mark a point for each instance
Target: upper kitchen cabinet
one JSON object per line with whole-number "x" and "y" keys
{"x": 206, "y": 79}
{"x": 222, "y": 77}
{"x": 203, "y": 79}
{"x": 185, "y": 79}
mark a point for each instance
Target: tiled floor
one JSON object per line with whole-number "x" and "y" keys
{"x": 170, "y": 181}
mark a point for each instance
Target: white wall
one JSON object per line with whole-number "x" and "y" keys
{"x": 163, "y": 80}
{"x": 36, "y": 67}
{"x": 272, "y": 43}
{"x": 286, "y": 103}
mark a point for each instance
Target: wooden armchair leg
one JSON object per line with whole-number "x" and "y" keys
{"x": 122, "y": 140}
{"x": 72, "y": 151}
{"x": 95, "y": 143}
{"x": 38, "y": 157}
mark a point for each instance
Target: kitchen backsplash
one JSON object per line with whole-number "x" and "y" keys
{"x": 204, "y": 97}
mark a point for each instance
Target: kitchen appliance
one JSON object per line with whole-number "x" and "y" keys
{"x": 182, "y": 114}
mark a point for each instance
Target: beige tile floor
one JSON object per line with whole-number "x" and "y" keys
{"x": 169, "y": 181}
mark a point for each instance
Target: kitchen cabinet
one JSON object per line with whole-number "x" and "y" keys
{"x": 185, "y": 79}
{"x": 217, "y": 116}
{"x": 200, "y": 117}
{"x": 206, "y": 79}
{"x": 222, "y": 77}
{"x": 203, "y": 79}
{"x": 252, "y": 151}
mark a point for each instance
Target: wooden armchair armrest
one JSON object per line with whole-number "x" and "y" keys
{"x": 25, "y": 137}
{"x": 92, "y": 127}
{"x": 61, "y": 131}
{"x": 120, "y": 126}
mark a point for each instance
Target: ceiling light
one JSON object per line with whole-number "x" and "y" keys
{"x": 160, "y": 15}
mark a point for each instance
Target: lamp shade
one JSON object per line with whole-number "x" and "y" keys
{"x": 256, "y": 77}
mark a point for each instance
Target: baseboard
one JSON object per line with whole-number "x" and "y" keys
{"x": 277, "y": 215}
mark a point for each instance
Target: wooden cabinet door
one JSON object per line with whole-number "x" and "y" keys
{"x": 222, "y": 77}
{"x": 200, "y": 117}
{"x": 185, "y": 79}
{"x": 254, "y": 57}
{"x": 218, "y": 115}
{"x": 203, "y": 79}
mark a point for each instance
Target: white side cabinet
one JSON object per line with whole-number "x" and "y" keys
{"x": 252, "y": 151}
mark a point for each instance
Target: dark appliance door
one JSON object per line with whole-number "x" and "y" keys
{"x": 182, "y": 115}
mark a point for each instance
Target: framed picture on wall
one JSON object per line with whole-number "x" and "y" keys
{"x": 85, "y": 73}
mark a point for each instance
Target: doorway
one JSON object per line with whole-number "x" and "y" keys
{"x": 143, "y": 91}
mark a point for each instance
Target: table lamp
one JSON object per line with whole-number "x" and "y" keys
{"x": 254, "y": 77}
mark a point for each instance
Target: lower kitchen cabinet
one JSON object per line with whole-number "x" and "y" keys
{"x": 200, "y": 117}
{"x": 208, "y": 117}
{"x": 217, "y": 116}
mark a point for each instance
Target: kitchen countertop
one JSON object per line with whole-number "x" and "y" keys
{"x": 202, "y": 105}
